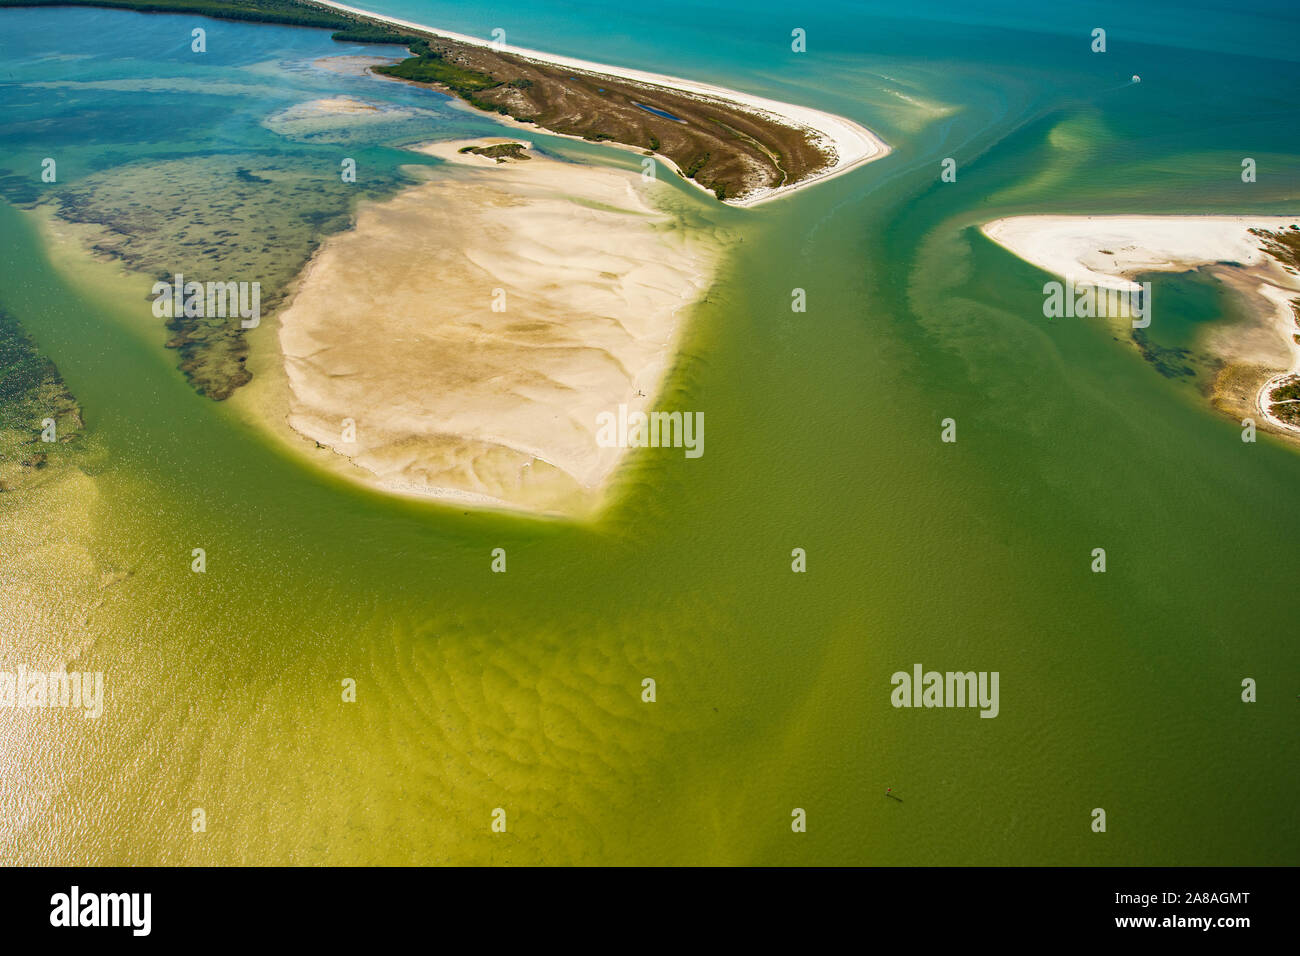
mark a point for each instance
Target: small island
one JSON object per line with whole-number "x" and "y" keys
{"x": 501, "y": 152}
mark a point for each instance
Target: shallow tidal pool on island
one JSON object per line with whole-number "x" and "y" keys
{"x": 477, "y": 690}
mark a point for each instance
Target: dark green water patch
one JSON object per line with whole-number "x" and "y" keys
{"x": 37, "y": 412}
{"x": 1169, "y": 362}
{"x": 1184, "y": 307}
{"x": 244, "y": 217}
{"x": 18, "y": 189}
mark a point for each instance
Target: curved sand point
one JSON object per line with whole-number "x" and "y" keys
{"x": 1109, "y": 251}
{"x": 849, "y": 143}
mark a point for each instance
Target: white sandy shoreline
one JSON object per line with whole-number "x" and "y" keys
{"x": 1109, "y": 251}
{"x": 852, "y": 144}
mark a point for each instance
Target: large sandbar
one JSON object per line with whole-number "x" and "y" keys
{"x": 397, "y": 326}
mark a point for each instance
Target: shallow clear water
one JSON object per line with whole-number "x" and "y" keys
{"x": 522, "y": 691}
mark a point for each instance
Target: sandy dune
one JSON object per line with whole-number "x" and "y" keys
{"x": 393, "y": 327}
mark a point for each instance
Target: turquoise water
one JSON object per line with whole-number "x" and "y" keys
{"x": 477, "y": 691}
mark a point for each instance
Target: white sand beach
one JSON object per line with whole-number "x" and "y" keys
{"x": 851, "y": 143}
{"x": 1109, "y": 251}
{"x": 474, "y": 326}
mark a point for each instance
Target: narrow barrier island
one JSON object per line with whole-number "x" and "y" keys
{"x": 741, "y": 148}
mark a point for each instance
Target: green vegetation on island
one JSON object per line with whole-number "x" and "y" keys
{"x": 501, "y": 152}
{"x": 1284, "y": 246}
{"x": 1283, "y": 399}
{"x": 430, "y": 66}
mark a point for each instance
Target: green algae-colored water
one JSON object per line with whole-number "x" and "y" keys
{"x": 522, "y": 690}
